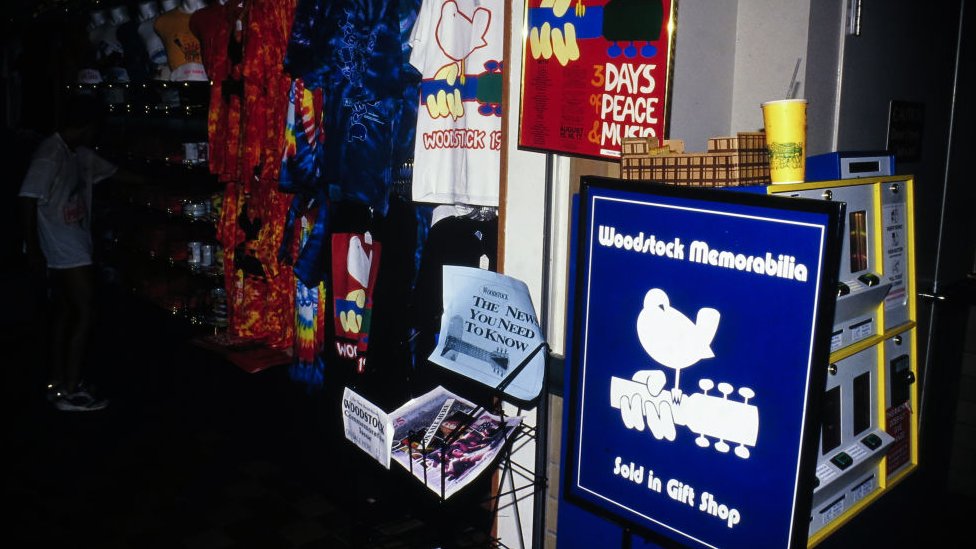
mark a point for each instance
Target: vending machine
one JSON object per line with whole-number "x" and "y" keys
{"x": 869, "y": 424}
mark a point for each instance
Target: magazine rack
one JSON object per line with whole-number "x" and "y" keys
{"x": 515, "y": 479}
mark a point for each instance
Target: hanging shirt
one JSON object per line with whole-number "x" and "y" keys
{"x": 261, "y": 293}
{"x": 310, "y": 315}
{"x": 406, "y": 123}
{"x": 226, "y": 93}
{"x": 155, "y": 49}
{"x": 266, "y": 85}
{"x": 300, "y": 173}
{"x": 105, "y": 41}
{"x": 61, "y": 180}
{"x": 355, "y": 263}
{"x": 136, "y": 57}
{"x": 457, "y": 47}
{"x": 182, "y": 47}
{"x": 458, "y": 241}
{"x": 213, "y": 26}
{"x": 351, "y": 49}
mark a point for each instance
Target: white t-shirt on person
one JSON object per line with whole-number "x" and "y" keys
{"x": 61, "y": 180}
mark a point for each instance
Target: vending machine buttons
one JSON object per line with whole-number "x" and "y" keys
{"x": 842, "y": 461}
{"x": 869, "y": 279}
{"x": 872, "y": 441}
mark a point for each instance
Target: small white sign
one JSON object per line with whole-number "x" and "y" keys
{"x": 367, "y": 426}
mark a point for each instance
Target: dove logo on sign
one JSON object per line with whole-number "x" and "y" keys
{"x": 672, "y": 340}
{"x": 670, "y": 337}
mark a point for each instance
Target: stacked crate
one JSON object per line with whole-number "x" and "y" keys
{"x": 730, "y": 161}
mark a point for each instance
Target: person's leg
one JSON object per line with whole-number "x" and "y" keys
{"x": 57, "y": 330}
{"x": 74, "y": 306}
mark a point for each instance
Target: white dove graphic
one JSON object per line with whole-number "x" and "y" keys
{"x": 670, "y": 337}
{"x": 358, "y": 262}
{"x": 459, "y": 35}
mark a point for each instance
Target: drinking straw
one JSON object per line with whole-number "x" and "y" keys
{"x": 791, "y": 90}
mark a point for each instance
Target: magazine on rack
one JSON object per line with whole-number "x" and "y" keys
{"x": 446, "y": 441}
{"x": 490, "y": 333}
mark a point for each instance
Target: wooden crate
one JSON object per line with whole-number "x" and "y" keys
{"x": 730, "y": 161}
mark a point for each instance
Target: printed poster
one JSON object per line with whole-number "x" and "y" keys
{"x": 489, "y": 328}
{"x": 595, "y": 72}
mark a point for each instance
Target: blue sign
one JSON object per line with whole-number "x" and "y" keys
{"x": 701, "y": 326}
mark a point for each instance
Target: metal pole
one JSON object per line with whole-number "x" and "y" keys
{"x": 936, "y": 297}
{"x": 542, "y": 410}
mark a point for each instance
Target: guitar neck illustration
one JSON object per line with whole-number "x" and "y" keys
{"x": 704, "y": 414}
{"x": 454, "y": 344}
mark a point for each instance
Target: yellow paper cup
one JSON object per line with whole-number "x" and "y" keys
{"x": 786, "y": 139}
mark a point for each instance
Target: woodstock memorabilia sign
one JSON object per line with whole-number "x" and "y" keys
{"x": 595, "y": 72}
{"x": 700, "y": 328}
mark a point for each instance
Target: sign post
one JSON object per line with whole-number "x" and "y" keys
{"x": 701, "y": 340}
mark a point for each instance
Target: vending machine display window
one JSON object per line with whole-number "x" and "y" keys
{"x": 862, "y": 403}
{"x": 830, "y": 425}
{"x": 859, "y": 241}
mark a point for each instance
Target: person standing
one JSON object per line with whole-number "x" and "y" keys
{"x": 55, "y": 205}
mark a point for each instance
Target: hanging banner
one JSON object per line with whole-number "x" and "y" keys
{"x": 595, "y": 72}
{"x": 701, "y": 331}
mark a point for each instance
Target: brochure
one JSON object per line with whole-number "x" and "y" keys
{"x": 488, "y": 329}
{"x": 367, "y": 426}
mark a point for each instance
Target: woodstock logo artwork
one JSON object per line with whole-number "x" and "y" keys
{"x": 672, "y": 340}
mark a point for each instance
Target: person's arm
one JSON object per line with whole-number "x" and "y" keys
{"x": 128, "y": 177}
{"x": 32, "y": 244}
{"x": 104, "y": 171}
{"x": 34, "y": 190}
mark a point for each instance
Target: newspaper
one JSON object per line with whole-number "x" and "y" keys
{"x": 489, "y": 328}
{"x": 446, "y": 441}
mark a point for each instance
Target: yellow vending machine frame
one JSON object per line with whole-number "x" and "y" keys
{"x": 869, "y": 428}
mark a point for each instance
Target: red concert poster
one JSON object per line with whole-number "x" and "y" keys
{"x": 595, "y": 72}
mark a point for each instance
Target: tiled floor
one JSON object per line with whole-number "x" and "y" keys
{"x": 195, "y": 453}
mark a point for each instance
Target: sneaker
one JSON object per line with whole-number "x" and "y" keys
{"x": 56, "y": 390}
{"x": 53, "y": 392}
{"x": 79, "y": 401}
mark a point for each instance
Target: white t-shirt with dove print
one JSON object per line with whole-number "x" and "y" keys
{"x": 457, "y": 47}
